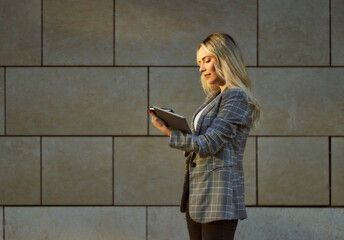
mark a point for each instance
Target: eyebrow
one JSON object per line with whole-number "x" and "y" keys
{"x": 203, "y": 58}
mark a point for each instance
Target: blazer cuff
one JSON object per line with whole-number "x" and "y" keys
{"x": 173, "y": 138}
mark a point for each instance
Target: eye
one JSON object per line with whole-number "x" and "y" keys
{"x": 207, "y": 61}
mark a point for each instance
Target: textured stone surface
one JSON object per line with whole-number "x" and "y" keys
{"x": 76, "y": 101}
{"x": 147, "y": 171}
{"x": 19, "y": 170}
{"x": 299, "y": 101}
{"x": 337, "y": 31}
{"x": 249, "y": 163}
{"x": 292, "y": 224}
{"x": 20, "y": 32}
{"x": 337, "y": 166}
{"x": 169, "y": 32}
{"x": 294, "y": 32}
{"x": 2, "y": 102}
{"x": 78, "y": 32}
{"x": 293, "y": 171}
{"x": 301, "y": 108}
{"x": 176, "y": 88}
{"x": 77, "y": 170}
{"x": 88, "y": 223}
{"x": 166, "y": 223}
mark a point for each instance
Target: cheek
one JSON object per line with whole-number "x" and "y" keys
{"x": 212, "y": 68}
{"x": 213, "y": 72}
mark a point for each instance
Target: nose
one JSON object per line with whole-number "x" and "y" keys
{"x": 201, "y": 68}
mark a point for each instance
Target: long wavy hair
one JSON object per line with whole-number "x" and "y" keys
{"x": 230, "y": 67}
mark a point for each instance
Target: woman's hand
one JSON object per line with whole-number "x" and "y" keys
{"x": 160, "y": 124}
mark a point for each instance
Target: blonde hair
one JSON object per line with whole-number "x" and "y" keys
{"x": 230, "y": 67}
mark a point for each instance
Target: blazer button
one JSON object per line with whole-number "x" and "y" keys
{"x": 193, "y": 164}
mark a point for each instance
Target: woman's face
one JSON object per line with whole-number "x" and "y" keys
{"x": 206, "y": 61}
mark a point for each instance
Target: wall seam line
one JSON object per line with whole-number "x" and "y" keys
{"x": 5, "y": 100}
{"x": 113, "y": 171}
{"x": 3, "y": 223}
{"x": 257, "y": 34}
{"x": 148, "y": 102}
{"x": 330, "y": 169}
{"x": 146, "y": 222}
{"x": 166, "y": 66}
{"x": 88, "y": 205}
{"x": 330, "y": 32}
{"x": 114, "y": 33}
{"x": 160, "y": 135}
{"x": 41, "y": 171}
{"x": 257, "y": 171}
{"x": 41, "y": 32}
{"x": 158, "y": 206}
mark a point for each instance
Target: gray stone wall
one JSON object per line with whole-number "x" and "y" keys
{"x": 79, "y": 158}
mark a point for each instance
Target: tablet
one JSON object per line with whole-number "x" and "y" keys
{"x": 173, "y": 120}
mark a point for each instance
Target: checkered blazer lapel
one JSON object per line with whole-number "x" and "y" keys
{"x": 204, "y": 113}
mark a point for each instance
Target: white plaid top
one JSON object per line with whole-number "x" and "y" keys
{"x": 214, "y": 178}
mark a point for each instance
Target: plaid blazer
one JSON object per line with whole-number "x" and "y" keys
{"x": 214, "y": 178}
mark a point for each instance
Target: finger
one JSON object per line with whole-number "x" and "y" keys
{"x": 151, "y": 113}
{"x": 156, "y": 120}
{"x": 160, "y": 121}
{"x": 154, "y": 117}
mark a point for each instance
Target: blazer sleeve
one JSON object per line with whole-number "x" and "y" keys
{"x": 234, "y": 110}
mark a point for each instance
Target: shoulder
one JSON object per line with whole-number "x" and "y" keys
{"x": 234, "y": 94}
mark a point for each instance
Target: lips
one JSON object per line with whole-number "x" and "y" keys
{"x": 207, "y": 75}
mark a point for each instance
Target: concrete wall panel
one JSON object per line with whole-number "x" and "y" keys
{"x": 148, "y": 171}
{"x": 293, "y": 33}
{"x": 78, "y": 32}
{"x": 77, "y": 170}
{"x": 20, "y": 32}
{"x": 293, "y": 171}
{"x": 166, "y": 223}
{"x": 76, "y": 101}
{"x": 337, "y": 170}
{"x": 19, "y": 170}
{"x": 337, "y": 31}
{"x": 299, "y": 101}
{"x": 89, "y": 223}
{"x": 169, "y": 32}
{"x": 291, "y": 224}
{"x": 2, "y": 102}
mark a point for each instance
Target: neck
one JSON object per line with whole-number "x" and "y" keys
{"x": 223, "y": 87}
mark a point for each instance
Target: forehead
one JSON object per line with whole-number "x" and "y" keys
{"x": 201, "y": 53}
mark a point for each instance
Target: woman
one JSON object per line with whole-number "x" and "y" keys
{"x": 213, "y": 196}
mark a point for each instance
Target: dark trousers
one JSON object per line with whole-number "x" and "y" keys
{"x": 217, "y": 230}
